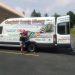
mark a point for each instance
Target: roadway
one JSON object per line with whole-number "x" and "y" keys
{"x": 12, "y": 62}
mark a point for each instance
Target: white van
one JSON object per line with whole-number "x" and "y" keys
{"x": 43, "y": 31}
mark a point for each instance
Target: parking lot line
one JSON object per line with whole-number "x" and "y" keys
{"x": 18, "y": 53}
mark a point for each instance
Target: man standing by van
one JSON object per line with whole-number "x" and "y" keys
{"x": 23, "y": 39}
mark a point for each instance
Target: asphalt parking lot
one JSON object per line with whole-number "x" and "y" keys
{"x": 42, "y": 63}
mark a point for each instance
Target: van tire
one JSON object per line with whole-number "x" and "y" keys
{"x": 31, "y": 47}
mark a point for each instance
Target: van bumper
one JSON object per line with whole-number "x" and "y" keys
{"x": 64, "y": 45}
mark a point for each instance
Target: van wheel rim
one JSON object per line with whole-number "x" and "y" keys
{"x": 31, "y": 48}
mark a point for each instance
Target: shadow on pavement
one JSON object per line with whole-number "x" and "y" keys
{"x": 58, "y": 51}
{"x": 10, "y": 48}
{"x": 45, "y": 50}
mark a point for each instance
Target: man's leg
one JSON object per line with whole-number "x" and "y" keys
{"x": 26, "y": 45}
{"x": 21, "y": 47}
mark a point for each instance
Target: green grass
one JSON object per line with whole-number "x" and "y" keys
{"x": 72, "y": 31}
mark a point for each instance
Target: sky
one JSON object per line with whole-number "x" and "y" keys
{"x": 60, "y": 7}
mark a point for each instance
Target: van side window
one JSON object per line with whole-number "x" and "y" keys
{"x": 63, "y": 28}
{"x": 1, "y": 29}
{"x": 49, "y": 28}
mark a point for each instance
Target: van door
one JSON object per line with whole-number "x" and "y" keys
{"x": 63, "y": 30}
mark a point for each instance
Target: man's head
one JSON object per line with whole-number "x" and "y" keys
{"x": 21, "y": 33}
{"x": 25, "y": 33}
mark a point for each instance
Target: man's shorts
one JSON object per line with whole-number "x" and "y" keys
{"x": 22, "y": 43}
{"x": 25, "y": 43}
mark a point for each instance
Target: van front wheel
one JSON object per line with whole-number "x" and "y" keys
{"x": 31, "y": 47}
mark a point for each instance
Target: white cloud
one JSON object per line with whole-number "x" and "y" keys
{"x": 42, "y": 6}
{"x": 19, "y": 9}
{"x": 59, "y": 6}
{"x": 27, "y": 12}
{"x": 28, "y": 1}
{"x": 63, "y": 2}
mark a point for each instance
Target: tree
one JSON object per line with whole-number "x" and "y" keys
{"x": 35, "y": 14}
{"x": 72, "y": 18}
{"x": 56, "y": 15}
{"x": 38, "y": 14}
{"x": 46, "y": 15}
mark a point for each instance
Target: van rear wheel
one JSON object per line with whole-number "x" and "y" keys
{"x": 31, "y": 47}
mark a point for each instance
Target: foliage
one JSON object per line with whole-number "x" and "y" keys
{"x": 35, "y": 14}
{"x": 46, "y": 15}
{"x": 72, "y": 18}
{"x": 56, "y": 15}
{"x": 72, "y": 31}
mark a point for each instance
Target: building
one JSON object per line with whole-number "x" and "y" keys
{"x": 8, "y": 12}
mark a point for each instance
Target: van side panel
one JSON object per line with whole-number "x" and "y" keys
{"x": 41, "y": 29}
